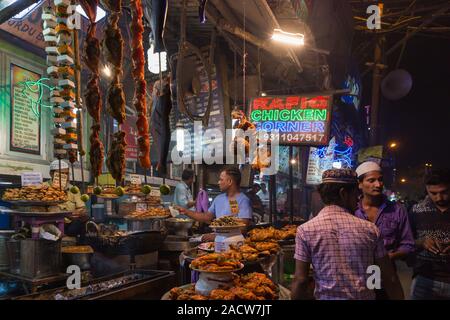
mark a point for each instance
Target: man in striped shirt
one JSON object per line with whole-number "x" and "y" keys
{"x": 344, "y": 251}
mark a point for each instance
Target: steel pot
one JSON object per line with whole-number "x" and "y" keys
{"x": 145, "y": 225}
{"x": 83, "y": 260}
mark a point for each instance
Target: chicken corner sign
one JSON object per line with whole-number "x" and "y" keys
{"x": 293, "y": 120}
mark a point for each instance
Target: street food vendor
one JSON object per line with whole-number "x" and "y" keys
{"x": 182, "y": 195}
{"x": 229, "y": 203}
{"x": 74, "y": 202}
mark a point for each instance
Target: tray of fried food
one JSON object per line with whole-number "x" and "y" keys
{"x": 259, "y": 284}
{"x": 150, "y": 213}
{"x": 133, "y": 189}
{"x": 227, "y": 222}
{"x": 185, "y": 293}
{"x": 253, "y": 251}
{"x": 216, "y": 263}
{"x": 253, "y": 286}
{"x": 272, "y": 234}
{"x": 35, "y": 195}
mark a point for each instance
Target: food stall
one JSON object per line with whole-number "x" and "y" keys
{"x": 113, "y": 120}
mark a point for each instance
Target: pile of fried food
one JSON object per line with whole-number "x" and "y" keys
{"x": 216, "y": 262}
{"x": 133, "y": 189}
{"x": 253, "y": 286}
{"x": 226, "y": 221}
{"x": 153, "y": 200}
{"x": 149, "y": 213}
{"x": 252, "y": 251}
{"x": 272, "y": 234}
{"x": 77, "y": 249}
{"x": 35, "y": 193}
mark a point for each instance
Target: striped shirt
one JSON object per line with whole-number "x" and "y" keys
{"x": 340, "y": 248}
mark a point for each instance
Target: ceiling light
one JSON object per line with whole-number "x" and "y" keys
{"x": 297, "y": 39}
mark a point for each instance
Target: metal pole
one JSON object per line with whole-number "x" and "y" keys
{"x": 376, "y": 81}
{"x": 272, "y": 198}
{"x": 291, "y": 185}
{"x": 59, "y": 170}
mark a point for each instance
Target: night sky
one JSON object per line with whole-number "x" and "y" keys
{"x": 420, "y": 122}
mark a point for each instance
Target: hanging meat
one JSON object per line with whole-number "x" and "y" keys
{"x": 160, "y": 126}
{"x": 140, "y": 98}
{"x": 113, "y": 52}
{"x": 93, "y": 100}
{"x": 96, "y": 153}
{"x": 116, "y": 156}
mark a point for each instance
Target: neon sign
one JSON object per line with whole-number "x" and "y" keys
{"x": 301, "y": 120}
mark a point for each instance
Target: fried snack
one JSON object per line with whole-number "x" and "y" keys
{"x": 149, "y": 213}
{"x": 251, "y": 251}
{"x": 35, "y": 193}
{"x": 254, "y": 286}
{"x": 216, "y": 262}
{"x": 220, "y": 294}
{"x": 77, "y": 249}
{"x": 226, "y": 221}
{"x": 272, "y": 234}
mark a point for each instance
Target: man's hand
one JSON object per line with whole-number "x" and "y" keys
{"x": 191, "y": 204}
{"x": 209, "y": 237}
{"x": 431, "y": 245}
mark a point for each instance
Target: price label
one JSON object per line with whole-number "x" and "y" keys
{"x": 135, "y": 179}
{"x": 31, "y": 178}
{"x": 141, "y": 206}
{"x": 155, "y": 193}
{"x": 56, "y": 178}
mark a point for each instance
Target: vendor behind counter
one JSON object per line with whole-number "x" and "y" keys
{"x": 229, "y": 203}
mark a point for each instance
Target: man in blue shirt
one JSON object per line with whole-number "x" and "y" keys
{"x": 182, "y": 196}
{"x": 230, "y": 203}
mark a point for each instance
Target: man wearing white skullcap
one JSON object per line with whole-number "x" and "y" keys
{"x": 390, "y": 217}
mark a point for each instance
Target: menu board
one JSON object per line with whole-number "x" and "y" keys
{"x": 25, "y": 111}
{"x": 293, "y": 120}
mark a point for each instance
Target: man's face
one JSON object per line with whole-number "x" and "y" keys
{"x": 190, "y": 181}
{"x": 439, "y": 194}
{"x": 256, "y": 189}
{"x": 372, "y": 184}
{"x": 263, "y": 187}
{"x": 225, "y": 181}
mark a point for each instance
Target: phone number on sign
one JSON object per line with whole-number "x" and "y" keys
{"x": 295, "y": 137}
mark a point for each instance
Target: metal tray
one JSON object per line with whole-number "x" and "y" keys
{"x": 132, "y": 244}
{"x": 34, "y": 203}
{"x": 146, "y": 285}
{"x": 41, "y": 214}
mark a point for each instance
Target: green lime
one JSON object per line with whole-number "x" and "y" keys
{"x": 84, "y": 198}
{"x": 120, "y": 191}
{"x": 97, "y": 190}
{"x": 146, "y": 189}
{"x": 164, "y": 189}
{"x": 74, "y": 190}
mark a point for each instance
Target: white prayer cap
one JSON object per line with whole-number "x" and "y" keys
{"x": 367, "y": 167}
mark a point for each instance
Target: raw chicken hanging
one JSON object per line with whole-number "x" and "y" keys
{"x": 91, "y": 57}
{"x": 140, "y": 99}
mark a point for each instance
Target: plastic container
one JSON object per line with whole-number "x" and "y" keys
{"x": 98, "y": 212}
{"x": 5, "y": 220}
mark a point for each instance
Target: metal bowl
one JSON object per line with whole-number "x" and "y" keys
{"x": 179, "y": 226}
